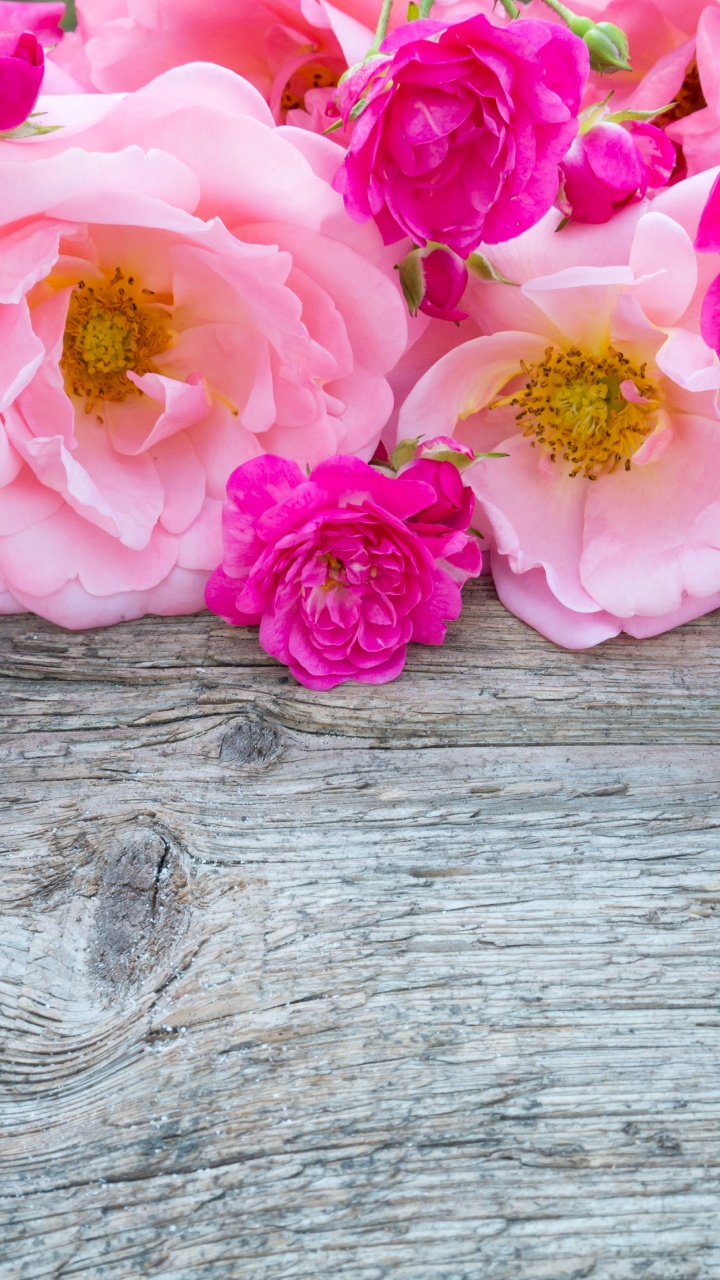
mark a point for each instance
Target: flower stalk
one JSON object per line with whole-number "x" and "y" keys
{"x": 382, "y": 27}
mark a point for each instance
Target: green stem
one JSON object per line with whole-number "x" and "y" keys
{"x": 510, "y": 8}
{"x": 425, "y": 7}
{"x": 561, "y": 9}
{"x": 382, "y": 26}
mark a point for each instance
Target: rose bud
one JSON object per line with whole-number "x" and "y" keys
{"x": 612, "y": 165}
{"x": 607, "y": 44}
{"x": 434, "y": 280}
{"x": 22, "y": 67}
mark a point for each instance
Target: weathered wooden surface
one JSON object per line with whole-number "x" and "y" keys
{"x": 410, "y": 984}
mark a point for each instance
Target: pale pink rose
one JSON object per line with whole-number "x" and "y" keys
{"x": 180, "y": 291}
{"x": 283, "y": 47}
{"x": 43, "y": 20}
{"x": 698, "y": 131}
{"x": 595, "y": 381}
{"x": 341, "y": 569}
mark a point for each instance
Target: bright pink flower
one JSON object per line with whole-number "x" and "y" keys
{"x": 332, "y": 568}
{"x": 597, "y": 385}
{"x": 611, "y": 165}
{"x": 463, "y": 130}
{"x": 146, "y": 350}
{"x": 22, "y": 66}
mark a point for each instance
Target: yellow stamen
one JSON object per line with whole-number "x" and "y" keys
{"x": 573, "y": 407}
{"x": 111, "y": 330}
{"x": 335, "y": 569}
{"x": 312, "y": 75}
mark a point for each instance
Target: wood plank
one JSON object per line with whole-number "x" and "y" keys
{"x": 418, "y": 983}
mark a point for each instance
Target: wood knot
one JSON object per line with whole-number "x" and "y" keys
{"x": 254, "y": 740}
{"x": 141, "y": 905}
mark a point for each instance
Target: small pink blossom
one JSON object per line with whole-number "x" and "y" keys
{"x": 444, "y": 524}
{"x": 463, "y": 129}
{"x": 341, "y": 570}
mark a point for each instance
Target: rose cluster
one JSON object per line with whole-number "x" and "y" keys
{"x": 303, "y": 304}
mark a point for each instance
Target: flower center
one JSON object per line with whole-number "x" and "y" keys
{"x": 312, "y": 75}
{"x": 592, "y": 411}
{"x": 111, "y": 330}
{"x": 688, "y": 99}
{"x": 335, "y": 573}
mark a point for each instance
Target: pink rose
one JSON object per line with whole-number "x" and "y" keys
{"x": 285, "y": 48}
{"x": 695, "y": 123}
{"x": 595, "y": 382}
{"x": 611, "y": 165}
{"x": 22, "y": 66}
{"x": 463, "y": 130}
{"x": 43, "y": 20}
{"x": 166, "y": 315}
{"x": 332, "y": 569}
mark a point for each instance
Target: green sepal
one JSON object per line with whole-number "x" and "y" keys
{"x": 405, "y": 452}
{"x": 412, "y": 279}
{"x": 608, "y": 47}
{"x": 619, "y": 117}
{"x": 481, "y": 267}
{"x": 28, "y": 130}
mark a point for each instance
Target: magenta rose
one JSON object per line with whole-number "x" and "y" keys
{"x": 332, "y": 568}
{"x": 22, "y": 67}
{"x": 463, "y": 130}
{"x": 612, "y": 165}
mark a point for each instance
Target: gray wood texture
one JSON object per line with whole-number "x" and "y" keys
{"x": 418, "y": 983}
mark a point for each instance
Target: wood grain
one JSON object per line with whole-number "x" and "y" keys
{"x": 407, "y": 984}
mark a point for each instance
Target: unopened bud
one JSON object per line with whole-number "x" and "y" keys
{"x": 434, "y": 280}
{"x": 608, "y": 47}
